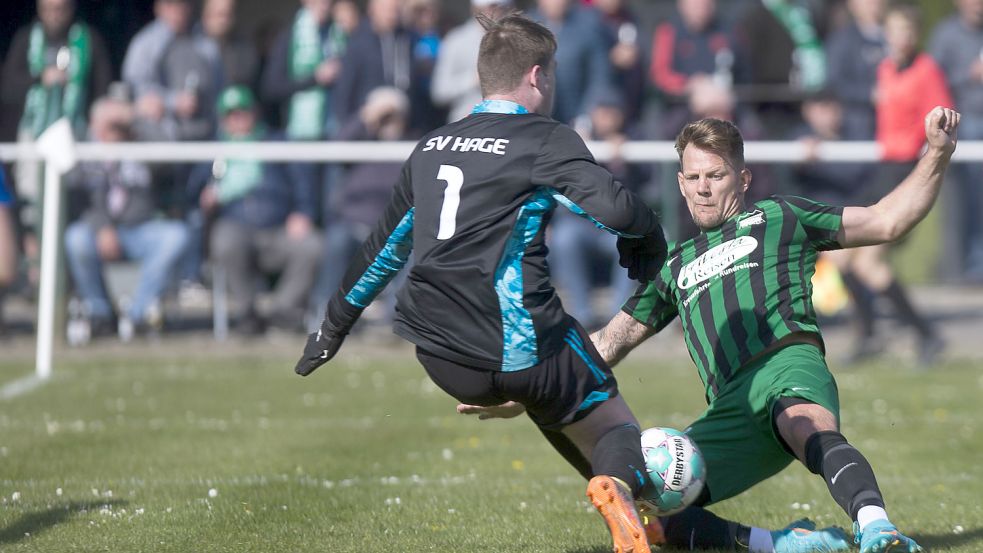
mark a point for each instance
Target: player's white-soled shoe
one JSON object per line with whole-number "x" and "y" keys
{"x": 613, "y": 500}
{"x": 881, "y": 536}
{"x": 802, "y": 537}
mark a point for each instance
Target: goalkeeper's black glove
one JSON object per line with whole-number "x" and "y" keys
{"x": 320, "y": 348}
{"x": 339, "y": 317}
{"x": 643, "y": 257}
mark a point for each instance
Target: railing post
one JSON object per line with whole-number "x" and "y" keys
{"x": 56, "y": 145}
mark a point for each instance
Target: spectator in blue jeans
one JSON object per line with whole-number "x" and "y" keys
{"x": 121, "y": 222}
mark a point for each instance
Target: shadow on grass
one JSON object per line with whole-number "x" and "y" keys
{"x": 34, "y": 523}
{"x": 932, "y": 542}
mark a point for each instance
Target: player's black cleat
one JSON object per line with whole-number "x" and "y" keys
{"x": 319, "y": 350}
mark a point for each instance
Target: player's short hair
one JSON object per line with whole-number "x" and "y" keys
{"x": 512, "y": 45}
{"x": 713, "y": 135}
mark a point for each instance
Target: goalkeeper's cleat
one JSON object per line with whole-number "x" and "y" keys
{"x": 613, "y": 501}
{"x": 881, "y": 536}
{"x": 802, "y": 537}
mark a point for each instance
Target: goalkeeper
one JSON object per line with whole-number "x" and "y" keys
{"x": 742, "y": 291}
{"x": 472, "y": 203}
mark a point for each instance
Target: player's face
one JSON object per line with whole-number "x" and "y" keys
{"x": 712, "y": 187}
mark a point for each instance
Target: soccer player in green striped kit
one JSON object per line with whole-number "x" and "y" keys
{"x": 742, "y": 290}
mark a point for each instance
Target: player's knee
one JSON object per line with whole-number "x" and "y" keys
{"x": 819, "y": 445}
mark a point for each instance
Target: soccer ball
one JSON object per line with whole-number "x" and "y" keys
{"x": 676, "y": 472}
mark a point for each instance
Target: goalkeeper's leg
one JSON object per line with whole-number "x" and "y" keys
{"x": 609, "y": 436}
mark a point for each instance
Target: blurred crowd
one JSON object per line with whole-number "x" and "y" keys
{"x": 277, "y": 235}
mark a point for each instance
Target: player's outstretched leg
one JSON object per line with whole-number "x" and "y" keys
{"x": 802, "y": 537}
{"x": 612, "y": 499}
{"x": 881, "y": 536}
{"x": 852, "y": 484}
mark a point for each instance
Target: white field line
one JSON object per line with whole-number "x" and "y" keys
{"x": 20, "y": 387}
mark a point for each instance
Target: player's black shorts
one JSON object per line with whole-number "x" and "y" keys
{"x": 560, "y": 390}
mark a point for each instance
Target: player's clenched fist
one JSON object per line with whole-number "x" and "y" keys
{"x": 940, "y": 128}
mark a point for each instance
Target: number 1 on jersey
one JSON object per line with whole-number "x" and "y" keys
{"x": 452, "y": 200}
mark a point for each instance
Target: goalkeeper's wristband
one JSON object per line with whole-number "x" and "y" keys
{"x": 340, "y": 316}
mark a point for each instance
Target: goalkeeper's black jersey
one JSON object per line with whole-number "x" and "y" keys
{"x": 472, "y": 203}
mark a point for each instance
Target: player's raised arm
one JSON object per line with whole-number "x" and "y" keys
{"x": 906, "y": 205}
{"x": 566, "y": 166}
{"x": 382, "y": 255}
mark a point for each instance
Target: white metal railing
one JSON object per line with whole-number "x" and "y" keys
{"x": 639, "y": 151}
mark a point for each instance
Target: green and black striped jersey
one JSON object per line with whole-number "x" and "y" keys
{"x": 742, "y": 286}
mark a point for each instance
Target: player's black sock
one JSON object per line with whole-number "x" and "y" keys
{"x": 862, "y": 302}
{"x": 848, "y": 475}
{"x": 696, "y": 528}
{"x": 619, "y": 454}
{"x": 565, "y": 447}
{"x": 906, "y": 311}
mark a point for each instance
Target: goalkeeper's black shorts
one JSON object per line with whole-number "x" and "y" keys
{"x": 558, "y": 391}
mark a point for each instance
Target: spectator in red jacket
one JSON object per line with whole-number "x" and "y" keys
{"x": 909, "y": 85}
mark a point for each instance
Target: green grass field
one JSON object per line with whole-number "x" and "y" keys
{"x": 188, "y": 449}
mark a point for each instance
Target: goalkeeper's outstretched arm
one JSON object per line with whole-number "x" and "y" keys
{"x": 382, "y": 255}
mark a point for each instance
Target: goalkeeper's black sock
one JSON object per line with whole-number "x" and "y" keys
{"x": 696, "y": 528}
{"x": 846, "y": 471}
{"x": 565, "y": 447}
{"x": 619, "y": 454}
{"x": 906, "y": 311}
{"x": 863, "y": 303}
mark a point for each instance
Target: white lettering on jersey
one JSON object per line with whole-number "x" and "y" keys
{"x": 467, "y": 144}
{"x": 715, "y": 261}
{"x": 756, "y": 218}
{"x": 439, "y": 142}
{"x": 499, "y": 147}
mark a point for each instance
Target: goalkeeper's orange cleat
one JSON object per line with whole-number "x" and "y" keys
{"x": 613, "y": 500}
